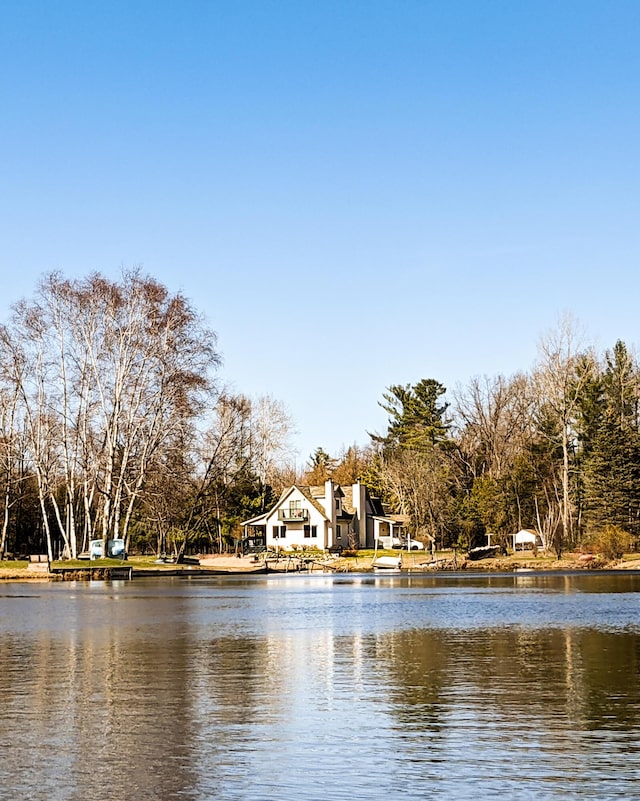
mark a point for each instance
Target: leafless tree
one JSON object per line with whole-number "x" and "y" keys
{"x": 494, "y": 419}
{"x": 10, "y": 454}
{"x": 221, "y": 452}
{"x": 107, "y": 372}
{"x": 418, "y": 484}
{"x": 271, "y": 432}
{"x": 561, "y": 373}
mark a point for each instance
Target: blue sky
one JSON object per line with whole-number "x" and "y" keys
{"x": 355, "y": 194}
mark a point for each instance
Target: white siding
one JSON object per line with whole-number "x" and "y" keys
{"x": 295, "y": 529}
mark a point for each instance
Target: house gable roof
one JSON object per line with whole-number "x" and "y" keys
{"x": 305, "y": 491}
{"x": 315, "y": 494}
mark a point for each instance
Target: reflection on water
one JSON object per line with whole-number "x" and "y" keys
{"x": 299, "y": 687}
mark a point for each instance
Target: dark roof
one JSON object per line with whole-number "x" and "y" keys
{"x": 306, "y": 491}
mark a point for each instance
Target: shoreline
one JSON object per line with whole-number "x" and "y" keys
{"x": 230, "y": 565}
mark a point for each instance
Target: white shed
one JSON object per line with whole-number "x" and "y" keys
{"x": 526, "y": 538}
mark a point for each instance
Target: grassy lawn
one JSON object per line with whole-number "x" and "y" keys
{"x": 133, "y": 561}
{"x": 79, "y": 563}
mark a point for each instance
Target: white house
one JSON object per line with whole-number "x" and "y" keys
{"x": 320, "y": 517}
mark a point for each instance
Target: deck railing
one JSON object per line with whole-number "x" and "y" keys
{"x": 293, "y": 515}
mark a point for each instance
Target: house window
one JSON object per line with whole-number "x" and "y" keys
{"x": 295, "y": 509}
{"x": 314, "y": 531}
{"x": 338, "y": 532}
{"x": 307, "y": 531}
{"x": 276, "y": 532}
{"x": 283, "y": 532}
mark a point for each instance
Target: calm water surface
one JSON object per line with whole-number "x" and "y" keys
{"x": 322, "y": 687}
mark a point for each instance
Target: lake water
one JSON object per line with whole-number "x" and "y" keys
{"x": 321, "y": 687}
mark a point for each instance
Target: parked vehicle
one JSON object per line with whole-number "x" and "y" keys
{"x": 412, "y": 545}
{"x": 115, "y": 549}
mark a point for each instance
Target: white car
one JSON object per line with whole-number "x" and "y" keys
{"x": 413, "y": 545}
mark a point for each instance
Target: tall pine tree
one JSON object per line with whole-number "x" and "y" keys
{"x": 612, "y": 460}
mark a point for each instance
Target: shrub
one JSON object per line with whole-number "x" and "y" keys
{"x": 612, "y": 542}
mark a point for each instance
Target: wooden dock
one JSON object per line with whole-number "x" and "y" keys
{"x": 115, "y": 573}
{"x": 38, "y": 563}
{"x": 291, "y": 563}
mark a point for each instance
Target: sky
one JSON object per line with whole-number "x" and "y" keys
{"x": 355, "y": 193}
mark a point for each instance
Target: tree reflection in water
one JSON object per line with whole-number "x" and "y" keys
{"x": 336, "y": 688}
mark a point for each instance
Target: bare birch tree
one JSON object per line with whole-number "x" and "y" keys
{"x": 10, "y": 456}
{"x": 27, "y": 351}
{"x": 560, "y": 376}
{"x": 106, "y": 371}
{"x": 271, "y": 431}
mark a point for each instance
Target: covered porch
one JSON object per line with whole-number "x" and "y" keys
{"x": 254, "y": 535}
{"x": 389, "y": 526}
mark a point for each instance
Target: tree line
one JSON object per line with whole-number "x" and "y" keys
{"x": 556, "y": 449}
{"x": 114, "y": 423}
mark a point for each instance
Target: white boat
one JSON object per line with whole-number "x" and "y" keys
{"x": 387, "y": 563}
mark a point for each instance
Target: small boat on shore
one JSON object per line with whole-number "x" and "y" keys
{"x": 387, "y": 563}
{"x": 244, "y": 570}
{"x": 484, "y": 552}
